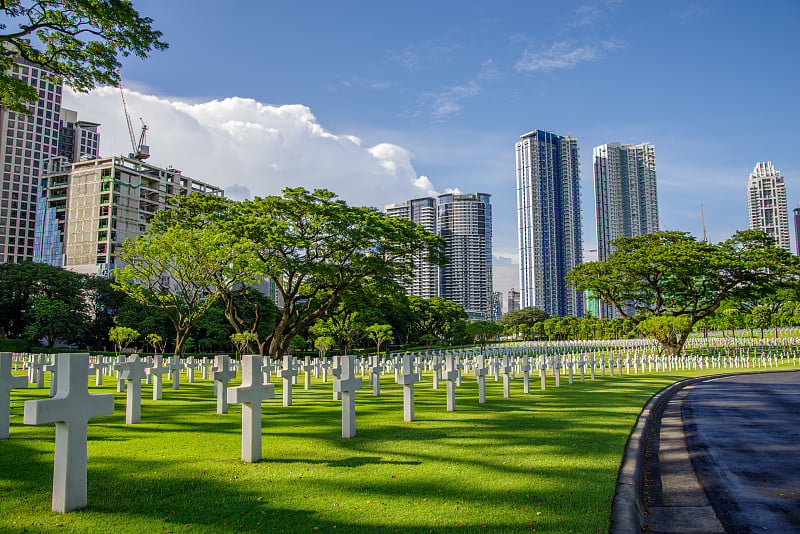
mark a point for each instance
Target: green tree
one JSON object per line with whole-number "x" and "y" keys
{"x": 143, "y": 318}
{"x": 78, "y": 41}
{"x": 314, "y": 248}
{"x": 435, "y": 317}
{"x": 786, "y": 314}
{"x": 664, "y": 327}
{"x": 457, "y": 334}
{"x": 671, "y": 274}
{"x": 122, "y": 336}
{"x": 379, "y": 333}
{"x": 102, "y": 303}
{"x": 482, "y": 332}
{"x": 345, "y": 326}
{"x": 53, "y": 321}
{"x": 246, "y": 308}
{"x": 24, "y": 284}
{"x": 528, "y": 315}
{"x": 157, "y": 342}
{"x": 176, "y": 272}
{"x": 761, "y": 318}
{"x": 323, "y": 344}
{"x": 242, "y": 340}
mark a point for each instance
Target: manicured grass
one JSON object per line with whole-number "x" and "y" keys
{"x": 543, "y": 462}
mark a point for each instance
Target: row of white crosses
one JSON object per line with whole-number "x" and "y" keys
{"x": 72, "y": 406}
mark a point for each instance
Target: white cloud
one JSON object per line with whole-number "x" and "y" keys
{"x": 445, "y": 104}
{"x": 417, "y": 57}
{"x": 593, "y": 12}
{"x": 563, "y": 55}
{"x": 251, "y": 148}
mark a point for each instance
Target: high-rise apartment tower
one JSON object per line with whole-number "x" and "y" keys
{"x": 625, "y": 194}
{"x": 26, "y": 141}
{"x": 465, "y": 222}
{"x": 513, "y": 300}
{"x": 497, "y": 306}
{"x": 549, "y": 221}
{"x": 766, "y": 203}
{"x": 425, "y": 282}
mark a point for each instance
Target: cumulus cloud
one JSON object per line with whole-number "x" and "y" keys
{"x": 254, "y": 149}
{"x": 563, "y": 55}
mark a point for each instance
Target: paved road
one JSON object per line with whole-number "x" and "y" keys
{"x": 743, "y": 433}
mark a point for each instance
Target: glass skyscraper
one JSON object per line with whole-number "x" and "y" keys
{"x": 549, "y": 221}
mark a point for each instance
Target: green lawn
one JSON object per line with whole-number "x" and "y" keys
{"x": 544, "y": 462}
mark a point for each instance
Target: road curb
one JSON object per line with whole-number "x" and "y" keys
{"x": 627, "y": 509}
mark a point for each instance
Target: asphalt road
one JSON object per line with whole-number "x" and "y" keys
{"x": 743, "y": 433}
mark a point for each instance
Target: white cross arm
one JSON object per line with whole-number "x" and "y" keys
{"x": 60, "y": 410}
{"x": 407, "y": 380}
{"x": 350, "y": 384}
{"x": 240, "y": 394}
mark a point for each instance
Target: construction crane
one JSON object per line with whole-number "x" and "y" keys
{"x": 140, "y": 150}
{"x": 703, "y": 217}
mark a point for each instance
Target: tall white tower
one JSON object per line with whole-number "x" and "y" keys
{"x": 766, "y": 203}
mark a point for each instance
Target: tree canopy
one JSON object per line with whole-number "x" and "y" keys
{"x": 435, "y": 316}
{"x": 177, "y": 271}
{"x": 671, "y": 274}
{"x": 313, "y": 247}
{"x": 528, "y": 316}
{"x": 77, "y": 41}
{"x": 23, "y": 284}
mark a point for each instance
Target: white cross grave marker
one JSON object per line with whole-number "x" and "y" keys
{"x": 288, "y": 373}
{"x": 133, "y": 374}
{"x": 346, "y": 385}
{"x": 175, "y": 367}
{"x": 480, "y": 376}
{"x": 449, "y": 375}
{"x": 307, "y": 367}
{"x": 7, "y": 383}
{"x": 250, "y": 394}
{"x": 156, "y": 374}
{"x": 407, "y": 379}
{"x": 70, "y": 410}
{"x": 505, "y": 369}
{"x": 375, "y": 376}
{"x": 221, "y": 375}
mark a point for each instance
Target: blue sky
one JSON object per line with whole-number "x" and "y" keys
{"x": 381, "y": 102}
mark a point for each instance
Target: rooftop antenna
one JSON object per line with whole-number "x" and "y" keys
{"x": 140, "y": 150}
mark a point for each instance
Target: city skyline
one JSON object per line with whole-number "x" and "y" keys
{"x": 422, "y": 108}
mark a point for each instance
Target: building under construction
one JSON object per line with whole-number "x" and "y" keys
{"x": 85, "y": 210}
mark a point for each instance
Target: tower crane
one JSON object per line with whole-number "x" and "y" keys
{"x": 140, "y": 150}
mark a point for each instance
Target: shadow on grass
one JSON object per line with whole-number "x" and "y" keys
{"x": 128, "y": 493}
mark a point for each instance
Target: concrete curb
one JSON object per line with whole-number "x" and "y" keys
{"x": 627, "y": 509}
